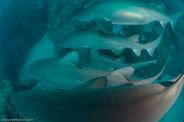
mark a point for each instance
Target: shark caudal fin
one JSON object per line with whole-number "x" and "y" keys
{"x": 154, "y": 44}
{"x": 174, "y": 19}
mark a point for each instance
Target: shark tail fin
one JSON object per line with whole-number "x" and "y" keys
{"x": 174, "y": 19}
{"x": 127, "y": 72}
{"x": 154, "y": 44}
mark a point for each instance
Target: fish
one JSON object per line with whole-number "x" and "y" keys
{"x": 93, "y": 58}
{"x": 145, "y": 103}
{"x": 126, "y": 12}
{"x": 66, "y": 73}
{"x": 117, "y": 44}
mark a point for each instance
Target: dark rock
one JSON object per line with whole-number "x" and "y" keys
{"x": 7, "y": 110}
{"x": 23, "y": 23}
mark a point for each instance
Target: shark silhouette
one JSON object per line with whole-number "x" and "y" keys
{"x": 92, "y": 102}
{"x": 66, "y": 73}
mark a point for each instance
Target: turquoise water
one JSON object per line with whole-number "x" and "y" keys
{"x": 176, "y": 111}
{"x": 60, "y": 45}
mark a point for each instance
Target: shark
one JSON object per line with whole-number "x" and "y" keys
{"x": 66, "y": 73}
{"x": 94, "y": 58}
{"x": 95, "y": 103}
{"x": 117, "y": 44}
{"x": 125, "y": 12}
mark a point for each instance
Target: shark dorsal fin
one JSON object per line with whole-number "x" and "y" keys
{"x": 97, "y": 83}
{"x": 104, "y": 25}
{"x": 71, "y": 57}
{"x": 127, "y": 72}
{"x": 83, "y": 52}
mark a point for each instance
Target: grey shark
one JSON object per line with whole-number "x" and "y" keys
{"x": 126, "y": 12}
{"x": 66, "y": 73}
{"x": 116, "y": 43}
{"x": 145, "y": 103}
{"x": 94, "y": 58}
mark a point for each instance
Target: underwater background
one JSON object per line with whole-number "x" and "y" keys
{"x": 29, "y": 30}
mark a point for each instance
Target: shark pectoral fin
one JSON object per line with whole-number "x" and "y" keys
{"x": 134, "y": 38}
{"x": 153, "y": 45}
{"x": 71, "y": 57}
{"x": 151, "y": 51}
{"x": 83, "y": 52}
{"x": 118, "y": 51}
{"x": 174, "y": 19}
{"x": 97, "y": 83}
{"x": 137, "y": 51}
{"x": 163, "y": 24}
{"x": 104, "y": 25}
{"x": 179, "y": 80}
{"x": 127, "y": 72}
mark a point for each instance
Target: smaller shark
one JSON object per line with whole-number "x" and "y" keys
{"x": 92, "y": 102}
{"x": 117, "y": 44}
{"x": 66, "y": 73}
{"x": 93, "y": 58}
{"x": 125, "y": 12}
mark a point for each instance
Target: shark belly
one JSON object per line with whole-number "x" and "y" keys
{"x": 125, "y": 103}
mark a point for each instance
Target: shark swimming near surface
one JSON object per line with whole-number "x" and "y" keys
{"x": 125, "y": 12}
{"x": 95, "y": 103}
{"x": 66, "y": 73}
{"x": 116, "y": 43}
